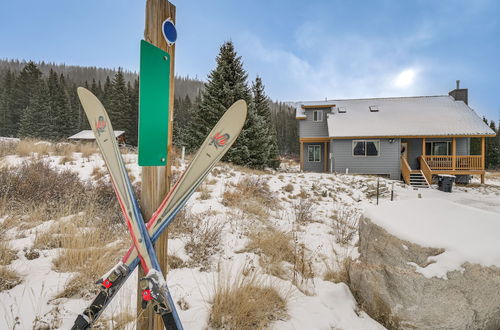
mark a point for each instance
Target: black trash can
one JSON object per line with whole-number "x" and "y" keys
{"x": 445, "y": 182}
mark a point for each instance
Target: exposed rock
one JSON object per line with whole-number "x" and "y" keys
{"x": 388, "y": 287}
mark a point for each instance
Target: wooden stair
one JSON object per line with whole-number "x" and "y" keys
{"x": 417, "y": 180}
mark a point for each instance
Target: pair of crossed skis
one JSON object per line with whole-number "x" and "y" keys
{"x": 155, "y": 290}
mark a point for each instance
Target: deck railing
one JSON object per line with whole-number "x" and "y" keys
{"x": 461, "y": 162}
{"x": 426, "y": 170}
{"x": 405, "y": 170}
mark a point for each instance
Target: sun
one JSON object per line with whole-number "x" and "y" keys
{"x": 405, "y": 78}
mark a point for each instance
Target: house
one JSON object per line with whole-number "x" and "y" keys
{"x": 413, "y": 138}
{"x": 88, "y": 135}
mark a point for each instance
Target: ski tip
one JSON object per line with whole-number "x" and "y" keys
{"x": 82, "y": 91}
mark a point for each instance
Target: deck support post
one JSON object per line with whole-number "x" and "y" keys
{"x": 325, "y": 160}
{"x": 301, "y": 155}
{"x": 483, "y": 153}
{"x": 453, "y": 153}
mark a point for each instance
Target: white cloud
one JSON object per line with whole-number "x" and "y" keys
{"x": 348, "y": 66}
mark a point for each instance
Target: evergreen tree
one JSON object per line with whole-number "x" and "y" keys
{"x": 119, "y": 109}
{"x": 182, "y": 120}
{"x": 226, "y": 84}
{"x": 25, "y": 85}
{"x": 106, "y": 92}
{"x": 37, "y": 118}
{"x": 492, "y": 149}
{"x": 7, "y": 121}
{"x": 133, "y": 96}
{"x": 265, "y": 150}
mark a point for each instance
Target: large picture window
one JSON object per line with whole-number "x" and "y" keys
{"x": 438, "y": 148}
{"x": 314, "y": 153}
{"x": 317, "y": 115}
{"x": 365, "y": 148}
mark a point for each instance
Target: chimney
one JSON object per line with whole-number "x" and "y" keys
{"x": 460, "y": 94}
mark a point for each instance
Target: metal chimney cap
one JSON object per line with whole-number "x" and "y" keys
{"x": 458, "y": 84}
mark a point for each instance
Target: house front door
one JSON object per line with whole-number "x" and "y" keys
{"x": 404, "y": 150}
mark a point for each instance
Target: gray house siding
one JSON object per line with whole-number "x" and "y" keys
{"x": 314, "y": 166}
{"x": 387, "y": 163}
{"x": 309, "y": 128}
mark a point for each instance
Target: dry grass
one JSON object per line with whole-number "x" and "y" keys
{"x": 337, "y": 266}
{"x": 274, "y": 247}
{"x": 66, "y": 159}
{"x": 7, "y": 255}
{"x": 83, "y": 252}
{"x": 205, "y": 193}
{"x": 8, "y": 148}
{"x": 87, "y": 149}
{"x": 251, "y": 195}
{"x": 8, "y": 278}
{"x": 245, "y": 302}
{"x": 27, "y": 147}
{"x": 97, "y": 173}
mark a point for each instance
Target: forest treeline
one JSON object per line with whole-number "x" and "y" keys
{"x": 39, "y": 100}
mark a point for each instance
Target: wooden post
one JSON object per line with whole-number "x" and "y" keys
{"x": 325, "y": 160}
{"x": 301, "y": 155}
{"x": 423, "y": 147}
{"x": 483, "y": 154}
{"x": 454, "y": 153}
{"x": 156, "y": 180}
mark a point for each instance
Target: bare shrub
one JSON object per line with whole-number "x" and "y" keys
{"x": 8, "y": 278}
{"x": 203, "y": 243}
{"x": 174, "y": 262}
{"x": 345, "y": 224}
{"x": 303, "y": 210}
{"x": 66, "y": 159}
{"x": 35, "y": 183}
{"x": 97, "y": 173}
{"x": 7, "y": 255}
{"x": 288, "y": 188}
{"x": 245, "y": 302}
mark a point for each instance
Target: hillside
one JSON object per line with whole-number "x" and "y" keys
{"x": 292, "y": 235}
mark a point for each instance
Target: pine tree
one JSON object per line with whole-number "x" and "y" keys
{"x": 119, "y": 105}
{"x": 182, "y": 120}
{"x": 226, "y": 84}
{"x": 133, "y": 96}
{"x": 7, "y": 124}
{"x": 492, "y": 149}
{"x": 36, "y": 119}
{"x": 25, "y": 85}
{"x": 265, "y": 152}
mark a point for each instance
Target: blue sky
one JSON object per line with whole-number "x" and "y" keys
{"x": 303, "y": 50}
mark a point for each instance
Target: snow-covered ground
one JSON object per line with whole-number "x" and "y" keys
{"x": 312, "y": 302}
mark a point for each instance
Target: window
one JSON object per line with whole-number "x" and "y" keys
{"x": 318, "y": 115}
{"x": 438, "y": 148}
{"x": 314, "y": 153}
{"x": 364, "y": 148}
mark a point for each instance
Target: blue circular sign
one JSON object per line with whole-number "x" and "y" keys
{"x": 169, "y": 31}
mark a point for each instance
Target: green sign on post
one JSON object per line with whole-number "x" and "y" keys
{"x": 154, "y": 98}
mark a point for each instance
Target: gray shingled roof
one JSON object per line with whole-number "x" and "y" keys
{"x": 400, "y": 116}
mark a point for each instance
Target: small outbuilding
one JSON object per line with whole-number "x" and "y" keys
{"x": 88, "y": 135}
